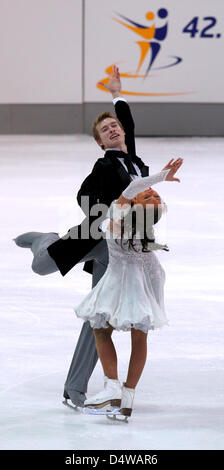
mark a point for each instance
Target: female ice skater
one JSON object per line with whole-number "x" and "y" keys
{"x": 129, "y": 296}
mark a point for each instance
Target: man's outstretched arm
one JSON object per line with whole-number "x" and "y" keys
{"x": 122, "y": 109}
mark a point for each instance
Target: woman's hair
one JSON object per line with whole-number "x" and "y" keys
{"x": 131, "y": 226}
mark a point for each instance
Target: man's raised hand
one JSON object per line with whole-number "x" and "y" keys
{"x": 114, "y": 84}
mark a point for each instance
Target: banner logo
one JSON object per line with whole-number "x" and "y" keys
{"x": 150, "y": 45}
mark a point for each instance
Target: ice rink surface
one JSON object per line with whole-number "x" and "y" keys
{"x": 179, "y": 400}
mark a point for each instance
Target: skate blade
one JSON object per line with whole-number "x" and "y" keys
{"x": 113, "y": 415}
{"x": 73, "y": 407}
{"x": 118, "y": 417}
{"x": 97, "y": 411}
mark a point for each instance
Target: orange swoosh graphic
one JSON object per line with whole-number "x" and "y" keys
{"x": 109, "y": 70}
{"x": 147, "y": 33}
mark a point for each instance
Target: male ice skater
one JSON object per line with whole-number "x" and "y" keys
{"x": 109, "y": 177}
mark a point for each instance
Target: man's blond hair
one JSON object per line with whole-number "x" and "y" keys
{"x": 99, "y": 119}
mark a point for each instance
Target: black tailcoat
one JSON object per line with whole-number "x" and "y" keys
{"x": 105, "y": 183}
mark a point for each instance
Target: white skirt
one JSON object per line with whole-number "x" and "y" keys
{"x": 129, "y": 295}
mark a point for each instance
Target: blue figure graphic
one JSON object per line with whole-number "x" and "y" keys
{"x": 150, "y": 33}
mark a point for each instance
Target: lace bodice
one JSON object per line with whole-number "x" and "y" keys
{"x": 119, "y": 255}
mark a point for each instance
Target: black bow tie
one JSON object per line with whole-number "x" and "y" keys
{"x": 127, "y": 160}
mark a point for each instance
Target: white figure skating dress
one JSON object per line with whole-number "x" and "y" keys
{"x": 130, "y": 293}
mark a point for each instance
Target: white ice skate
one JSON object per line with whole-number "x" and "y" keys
{"x": 109, "y": 397}
{"x": 115, "y": 413}
{"x": 125, "y": 410}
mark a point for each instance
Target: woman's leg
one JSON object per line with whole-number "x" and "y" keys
{"x": 136, "y": 365}
{"x": 138, "y": 357}
{"x": 106, "y": 351}
{"x": 111, "y": 394}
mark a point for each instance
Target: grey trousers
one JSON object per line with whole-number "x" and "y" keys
{"x": 85, "y": 356}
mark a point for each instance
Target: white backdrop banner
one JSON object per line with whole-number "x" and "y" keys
{"x": 41, "y": 51}
{"x": 167, "y": 51}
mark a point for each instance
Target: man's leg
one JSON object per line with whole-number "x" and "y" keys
{"x": 85, "y": 356}
{"x": 38, "y": 242}
{"x": 83, "y": 362}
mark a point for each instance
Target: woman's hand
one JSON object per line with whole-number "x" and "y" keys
{"x": 173, "y": 166}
